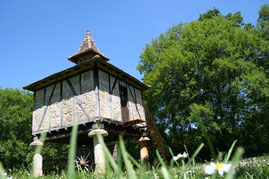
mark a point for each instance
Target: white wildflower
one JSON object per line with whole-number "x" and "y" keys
{"x": 221, "y": 168}
{"x": 179, "y": 156}
{"x": 189, "y": 171}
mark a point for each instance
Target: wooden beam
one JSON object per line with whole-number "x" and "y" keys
{"x": 34, "y": 106}
{"x": 109, "y": 85}
{"x": 44, "y": 97}
{"x": 80, "y": 88}
{"x": 121, "y": 133}
{"x": 114, "y": 84}
{"x": 61, "y": 103}
{"x": 110, "y": 97}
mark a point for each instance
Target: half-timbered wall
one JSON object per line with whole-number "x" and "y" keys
{"x": 83, "y": 98}
{"x": 58, "y": 105}
{"x": 110, "y": 104}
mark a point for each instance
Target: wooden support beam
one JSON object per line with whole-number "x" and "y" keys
{"x": 61, "y": 103}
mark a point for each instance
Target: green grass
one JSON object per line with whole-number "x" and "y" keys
{"x": 257, "y": 167}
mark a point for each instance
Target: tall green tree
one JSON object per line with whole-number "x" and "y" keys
{"x": 209, "y": 74}
{"x": 15, "y": 126}
{"x": 16, "y": 108}
{"x": 256, "y": 125}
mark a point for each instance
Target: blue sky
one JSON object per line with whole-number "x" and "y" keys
{"x": 38, "y": 36}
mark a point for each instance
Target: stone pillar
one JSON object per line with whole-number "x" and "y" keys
{"x": 99, "y": 157}
{"x": 38, "y": 160}
{"x": 144, "y": 153}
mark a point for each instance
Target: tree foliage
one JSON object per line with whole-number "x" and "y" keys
{"x": 16, "y": 132}
{"x": 213, "y": 74}
{"x": 15, "y": 126}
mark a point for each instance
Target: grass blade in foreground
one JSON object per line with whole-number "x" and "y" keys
{"x": 187, "y": 151}
{"x": 72, "y": 151}
{"x": 108, "y": 154}
{"x": 192, "y": 158}
{"x": 128, "y": 164}
{"x": 2, "y": 171}
{"x": 165, "y": 170}
{"x": 230, "y": 152}
{"x": 165, "y": 173}
{"x": 172, "y": 161}
{"x": 195, "y": 153}
{"x": 238, "y": 154}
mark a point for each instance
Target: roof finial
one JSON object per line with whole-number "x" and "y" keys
{"x": 88, "y": 46}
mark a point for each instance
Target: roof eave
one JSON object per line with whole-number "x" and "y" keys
{"x": 74, "y": 57}
{"x": 79, "y": 68}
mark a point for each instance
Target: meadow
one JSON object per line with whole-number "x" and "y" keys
{"x": 181, "y": 166}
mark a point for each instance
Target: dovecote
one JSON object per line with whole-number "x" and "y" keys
{"x": 92, "y": 89}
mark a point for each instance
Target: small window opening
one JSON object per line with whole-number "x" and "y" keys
{"x": 123, "y": 96}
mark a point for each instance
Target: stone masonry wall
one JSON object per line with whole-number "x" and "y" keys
{"x": 110, "y": 106}
{"x": 60, "y": 112}
{"x": 80, "y": 97}
{"x": 133, "y": 113}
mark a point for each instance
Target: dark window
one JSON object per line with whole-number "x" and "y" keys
{"x": 123, "y": 96}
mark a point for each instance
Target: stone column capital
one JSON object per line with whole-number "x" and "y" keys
{"x": 35, "y": 142}
{"x": 94, "y": 132}
{"x": 143, "y": 139}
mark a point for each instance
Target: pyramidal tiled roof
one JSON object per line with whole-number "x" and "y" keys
{"x": 88, "y": 46}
